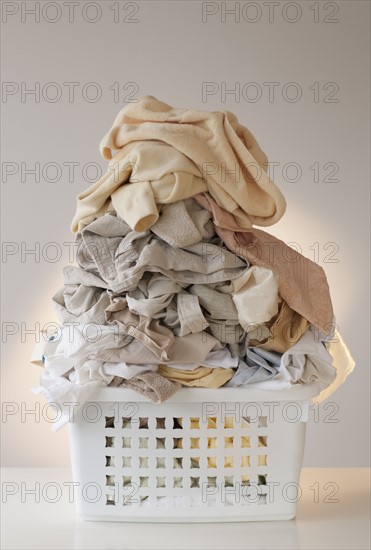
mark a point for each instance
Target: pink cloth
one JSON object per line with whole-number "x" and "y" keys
{"x": 301, "y": 282}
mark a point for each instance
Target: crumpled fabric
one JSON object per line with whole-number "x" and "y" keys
{"x": 110, "y": 250}
{"x": 301, "y": 282}
{"x": 154, "y": 387}
{"x": 174, "y": 286}
{"x": 225, "y": 152}
{"x": 255, "y": 296}
{"x": 201, "y": 377}
{"x": 305, "y": 362}
{"x": 184, "y": 223}
{"x": 343, "y": 363}
{"x": 141, "y": 178}
{"x": 285, "y": 329}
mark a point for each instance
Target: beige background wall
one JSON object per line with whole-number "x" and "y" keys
{"x": 188, "y": 54}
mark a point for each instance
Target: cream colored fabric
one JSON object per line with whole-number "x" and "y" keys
{"x": 227, "y": 154}
{"x": 343, "y": 363}
{"x": 140, "y": 177}
{"x": 255, "y": 296}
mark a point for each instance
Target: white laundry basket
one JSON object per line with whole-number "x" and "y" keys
{"x": 231, "y": 454}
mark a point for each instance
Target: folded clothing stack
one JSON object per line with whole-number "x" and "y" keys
{"x": 174, "y": 285}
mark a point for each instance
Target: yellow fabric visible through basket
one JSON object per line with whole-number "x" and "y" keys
{"x": 228, "y": 443}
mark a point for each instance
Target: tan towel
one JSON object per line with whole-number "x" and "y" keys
{"x": 301, "y": 282}
{"x": 153, "y": 386}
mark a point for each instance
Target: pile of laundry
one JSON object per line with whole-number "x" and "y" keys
{"x": 175, "y": 286}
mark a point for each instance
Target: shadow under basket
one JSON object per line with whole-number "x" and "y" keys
{"x": 224, "y": 455}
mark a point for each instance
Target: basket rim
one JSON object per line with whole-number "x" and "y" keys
{"x": 300, "y": 392}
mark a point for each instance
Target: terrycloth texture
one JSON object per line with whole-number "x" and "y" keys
{"x": 184, "y": 223}
{"x": 301, "y": 282}
{"x": 201, "y": 377}
{"x": 109, "y": 249}
{"x": 225, "y": 152}
{"x": 154, "y": 387}
{"x": 139, "y": 178}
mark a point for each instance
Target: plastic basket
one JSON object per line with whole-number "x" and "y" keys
{"x": 205, "y": 455}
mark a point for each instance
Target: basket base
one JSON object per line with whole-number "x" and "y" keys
{"x": 185, "y": 519}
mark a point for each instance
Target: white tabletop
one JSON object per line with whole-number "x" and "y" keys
{"x": 333, "y": 512}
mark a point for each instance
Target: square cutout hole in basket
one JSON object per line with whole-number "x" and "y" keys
{"x": 110, "y": 480}
{"x": 160, "y": 462}
{"x": 262, "y": 460}
{"x": 262, "y": 441}
{"x": 143, "y": 443}
{"x": 143, "y": 482}
{"x": 126, "y": 422}
{"x": 177, "y": 443}
{"x": 126, "y": 480}
{"x": 160, "y": 423}
{"x": 126, "y": 461}
{"x": 211, "y": 481}
{"x": 229, "y": 422}
{"x": 195, "y": 442}
{"x": 228, "y": 481}
{"x": 110, "y": 422}
{"x": 195, "y": 462}
{"x": 212, "y": 442}
{"x": 246, "y": 461}
{"x": 110, "y": 441}
{"x": 195, "y": 422}
{"x": 160, "y": 482}
{"x": 262, "y": 479}
{"x": 143, "y": 462}
{"x": 245, "y": 480}
{"x": 177, "y": 462}
{"x": 126, "y": 442}
{"x": 228, "y": 442}
{"x": 228, "y": 462}
{"x": 110, "y": 500}
{"x": 245, "y": 422}
{"x": 178, "y": 423}
{"x": 212, "y": 462}
{"x": 143, "y": 423}
{"x": 195, "y": 482}
{"x": 211, "y": 422}
{"x": 177, "y": 483}
{"x": 110, "y": 461}
{"x": 245, "y": 441}
{"x": 160, "y": 442}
